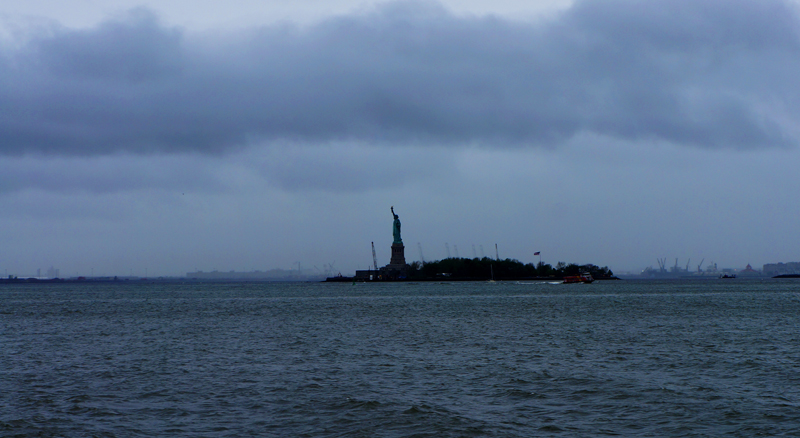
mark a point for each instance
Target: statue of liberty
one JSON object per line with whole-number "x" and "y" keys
{"x": 396, "y": 228}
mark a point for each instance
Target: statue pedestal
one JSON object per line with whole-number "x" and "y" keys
{"x": 397, "y": 268}
{"x": 398, "y": 255}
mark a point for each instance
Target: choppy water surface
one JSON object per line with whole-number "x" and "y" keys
{"x": 702, "y": 358}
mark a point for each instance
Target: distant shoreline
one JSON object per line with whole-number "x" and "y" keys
{"x": 155, "y": 280}
{"x": 448, "y": 279}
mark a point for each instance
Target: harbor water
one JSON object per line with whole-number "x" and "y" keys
{"x": 506, "y": 359}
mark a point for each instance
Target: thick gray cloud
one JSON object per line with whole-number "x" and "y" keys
{"x": 706, "y": 73}
{"x": 344, "y": 168}
{"x": 131, "y": 51}
{"x": 109, "y": 174}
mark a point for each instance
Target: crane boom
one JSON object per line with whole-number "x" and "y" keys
{"x": 374, "y": 257}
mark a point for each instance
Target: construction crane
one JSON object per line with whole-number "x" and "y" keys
{"x": 329, "y": 268}
{"x": 496, "y": 254}
{"x": 447, "y": 247}
{"x": 700, "y": 265}
{"x": 374, "y": 257}
{"x": 421, "y": 258}
{"x": 455, "y": 248}
{"x": 687, "y": 265}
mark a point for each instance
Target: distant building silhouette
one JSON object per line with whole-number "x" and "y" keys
{"x": 773, "y": 269}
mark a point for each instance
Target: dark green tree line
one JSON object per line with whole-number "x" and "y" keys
{"x": 485, "y": 268}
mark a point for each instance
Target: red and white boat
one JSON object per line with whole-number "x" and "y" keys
{"x": 582, "y": 278}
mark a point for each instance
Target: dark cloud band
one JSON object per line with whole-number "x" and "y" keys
{"x": 706, "y": 73}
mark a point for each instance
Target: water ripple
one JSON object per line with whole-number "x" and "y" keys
{"x": 398, "y": 360}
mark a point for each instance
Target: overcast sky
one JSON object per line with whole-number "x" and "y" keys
{"x": 171, "y": 136}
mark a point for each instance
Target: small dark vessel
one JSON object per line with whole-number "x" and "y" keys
{"x": 340, "y": 278}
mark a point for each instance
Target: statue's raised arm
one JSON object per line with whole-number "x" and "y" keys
{"x": 396, "y": 228}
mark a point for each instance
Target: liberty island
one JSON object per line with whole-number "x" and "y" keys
{"x": 464, "y": 269}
